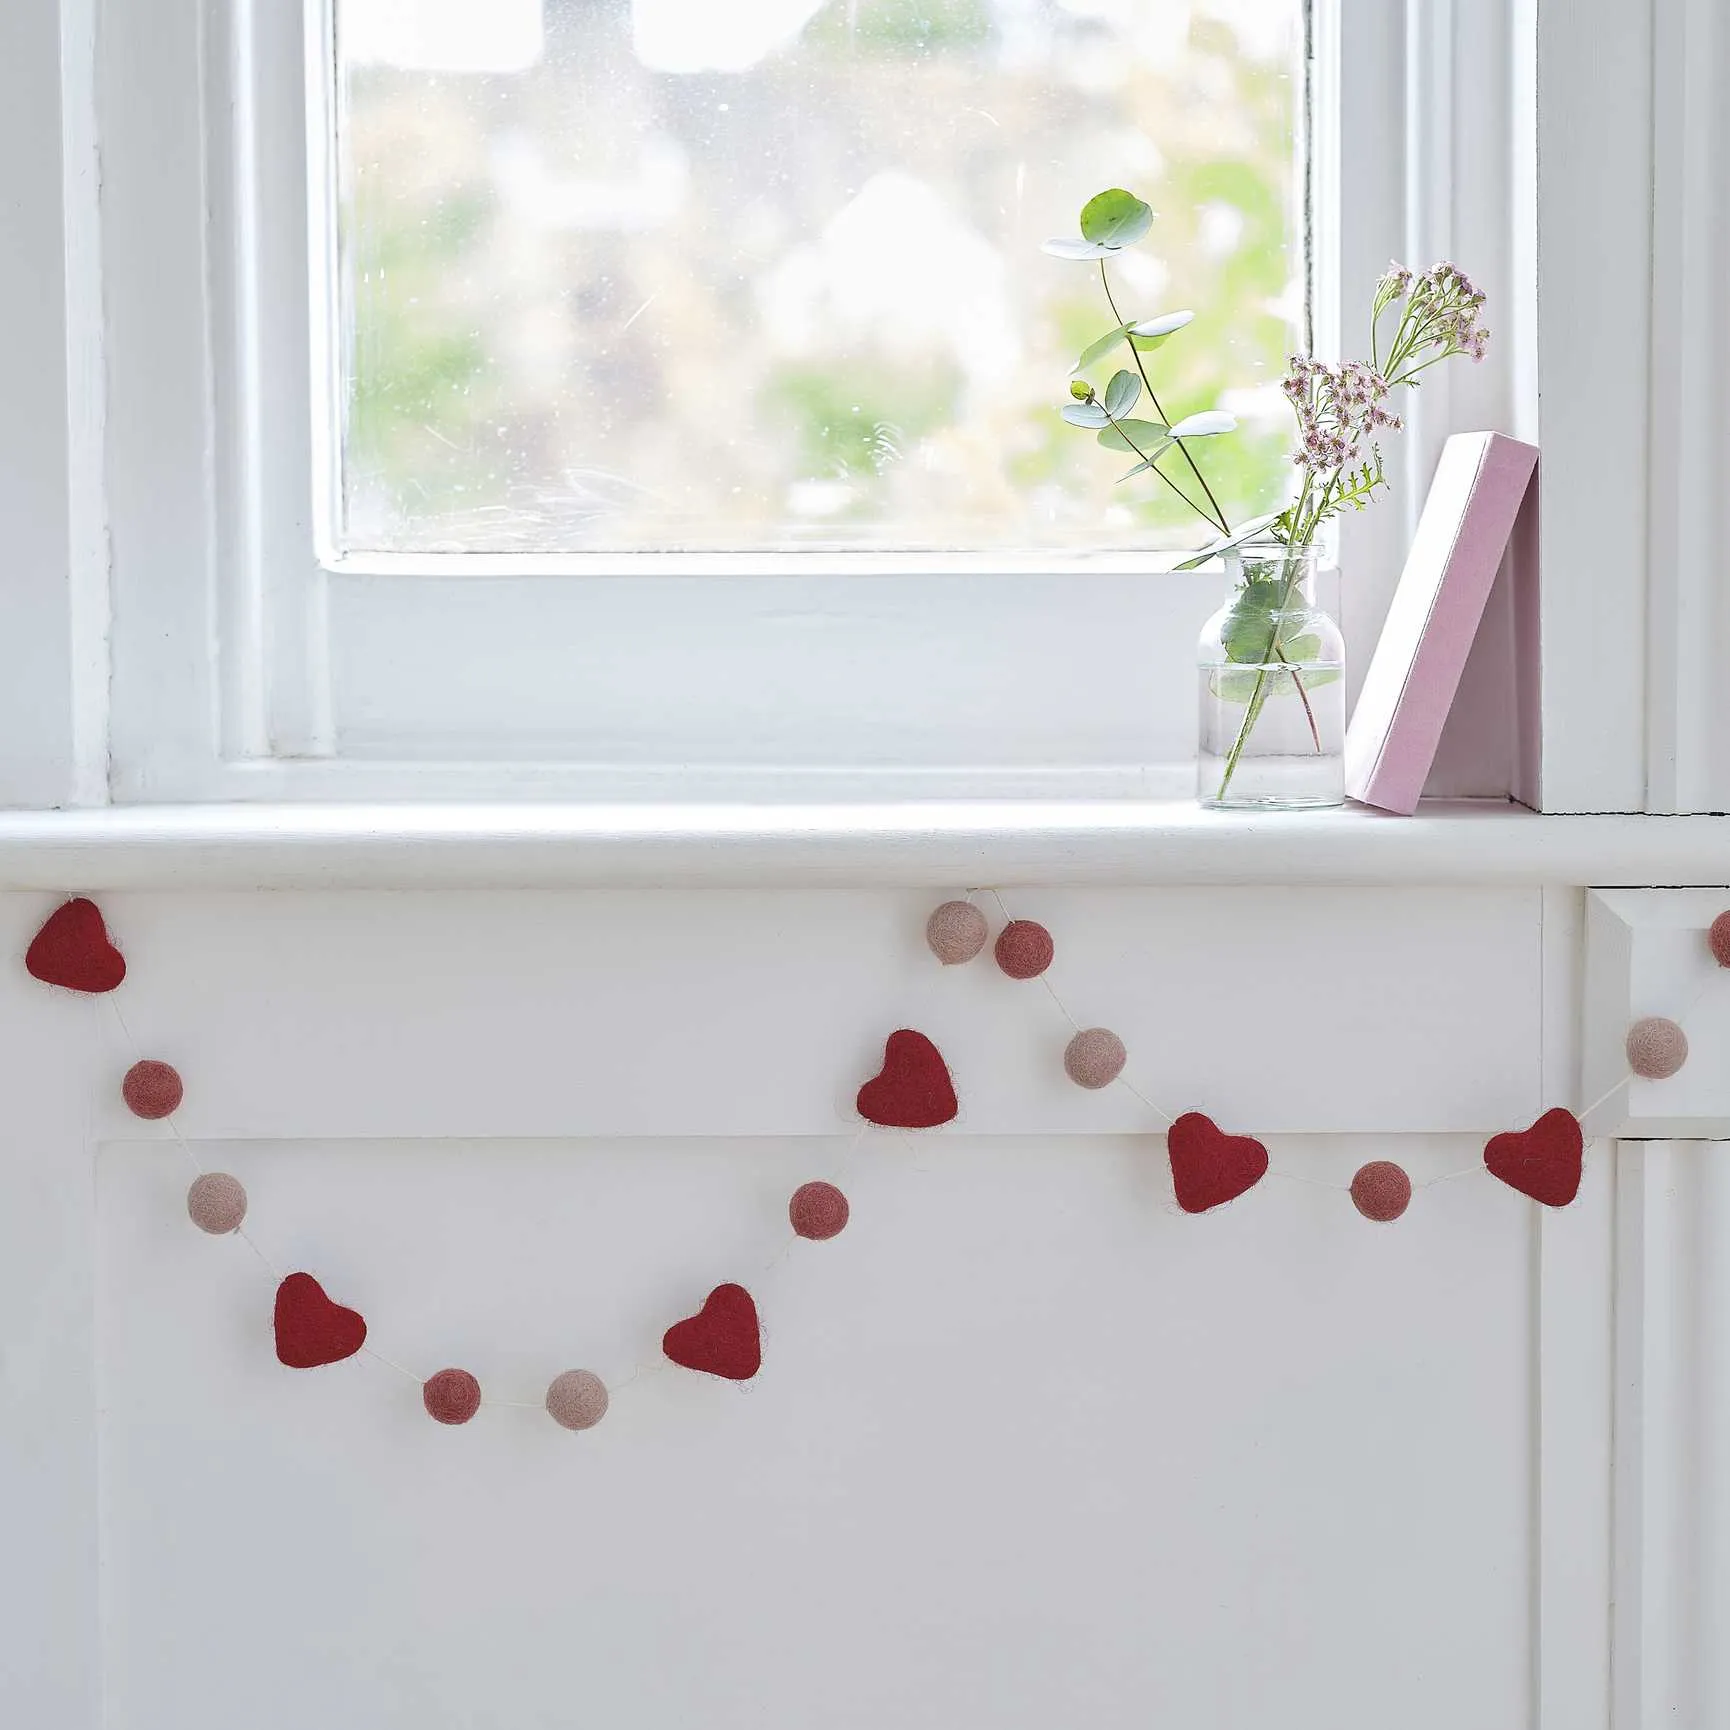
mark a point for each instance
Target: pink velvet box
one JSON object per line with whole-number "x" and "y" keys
{"x": 1397, "y": 724}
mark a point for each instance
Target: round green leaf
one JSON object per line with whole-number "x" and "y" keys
{"x": 1164, "y": 325}
{"x": 1145, "y": 434}
{"x": 1115, "y": 218}
{"x": 1088, "y": 414}
{"x": 1247, "y": 532}
{"x": 1122, "y": 394}
{"x": 1063, "y": 248}
{"x": 1103, "y": 346}
{"x": 1204, "y": 425}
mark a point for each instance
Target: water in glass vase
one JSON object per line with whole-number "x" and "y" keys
{"x": 1271, "y": 676}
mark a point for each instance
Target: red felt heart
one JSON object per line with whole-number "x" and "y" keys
{"x": 913, "y": 1089}
{"x": 310, "y": 1329}
{"x": 1209, "y": 1167}
{"x": 72, "y": 949}
{"x": 721, "y": 1339}
{"x": 1544, "y": 1161}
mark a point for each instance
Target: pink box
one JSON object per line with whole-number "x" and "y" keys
{"x": 1395, "y": 728}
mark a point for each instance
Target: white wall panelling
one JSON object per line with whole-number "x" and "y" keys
{"x": 521, "y": 1129}
{"x": 1672, "y": 1435}
{"x": 775, "y": 1006}
{"x": 1647, "y": 955}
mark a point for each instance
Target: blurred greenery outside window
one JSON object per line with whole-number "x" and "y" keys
{"x": 642, "y": 275}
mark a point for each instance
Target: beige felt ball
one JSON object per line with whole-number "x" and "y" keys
{"x": 1381, "y": 1191}
{"x": 152, "y": 1089}
{"x": 577, "y": 1400}
{"x": 956, "y": 932}
{"x": 1094, "y": 1057}
{"x": 451, "y": 1397}
{"x": 818, "y": 1211}
{"x": 1657, "y": 1048}
{"x": 1024, "y": 949}
{"x": 1719, "y": 938}
{"x": 216, "y": 1203}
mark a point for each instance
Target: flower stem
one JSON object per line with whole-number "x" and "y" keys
{"x": 1258, "y": 696}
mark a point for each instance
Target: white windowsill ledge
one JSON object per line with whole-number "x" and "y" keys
{"x": 937, "y": 844}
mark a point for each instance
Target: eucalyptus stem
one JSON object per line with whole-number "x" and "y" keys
{"x": 1218, "y": 516}
{"x": 1259, "y": 694}
{"x": 1153, "y": 466}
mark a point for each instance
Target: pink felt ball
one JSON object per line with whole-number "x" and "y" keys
{"x": 1094, "y": 1057}
{"x": 216, "y": 1203}
{"x": 818, "y": 1211}
{"x": 1381, "y": 1191}
{"x": 152, "y": 1089}
{"x": 452, "y": 1396}
{"x": 1719, "y": 938}
{"x": 1024, "y": 949}
{"x": 1657, "y": 1048}
{"x": 577, "y": 1400}
{"x": 956, "y": 932}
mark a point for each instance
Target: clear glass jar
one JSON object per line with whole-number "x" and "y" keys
{"x": 1271, "y": 675}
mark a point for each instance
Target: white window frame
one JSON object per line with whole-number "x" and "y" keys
{"x": 202, "y": 112}
{"x": 1489, "y": 114}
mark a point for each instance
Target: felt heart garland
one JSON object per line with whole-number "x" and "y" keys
{"x": 913, "y": 1089}
{"x": 1209, "y": 1167}
{"x": 1544, "y": 1162}
{"x": 310, "y": 1329}
{"x": 721, "y": 1339}
{"x": 73, "y": 950}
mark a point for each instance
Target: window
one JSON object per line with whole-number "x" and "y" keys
{"x": 630, "y": 275}
{"x": 572, "y": 399}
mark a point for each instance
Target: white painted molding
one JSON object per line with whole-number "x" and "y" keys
{"x": 935, "y": 844}
{"x": 1646, "y": 954}
{"x": 1594, "y": 210}
{"x": 1672, "y": 1537}
{"x": 1688, "y": 766}
{"x": 53, "y": 675}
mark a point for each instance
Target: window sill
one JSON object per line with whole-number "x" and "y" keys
{"x": 936, "y": 844}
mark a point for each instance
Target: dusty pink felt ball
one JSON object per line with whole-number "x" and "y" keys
{"x": 152, "y": 1089}
{"x": 1381, "y": 1191}
{"x": 577, "y": 1400}
{"x": 1657, "y": 1048}
{"x": 216, "y": 1203}
{"x": 1024, "y": 949}
{"x": 452, "y": 1396}
{"x": 956, "y": 932}
{"x": 1094, "y": 1057}
{"x": 1719, "y": 938}
{"x": 818, "y": 1211}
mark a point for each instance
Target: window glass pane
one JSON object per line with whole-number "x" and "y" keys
{"x": 634, "y": 274}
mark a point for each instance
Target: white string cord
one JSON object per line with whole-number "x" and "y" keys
{"x": 1159, "y": 1110}
{"x": 641, "y": 1371}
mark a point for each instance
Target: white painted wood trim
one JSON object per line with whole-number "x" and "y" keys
{"x": 53, "y": 667}
{"x": 933, "y": 844}
{"x": 1573, "y": 1374}
{"x": 1689, "y": 446}
{"x": 1647, "y": 955}
{"x": 1594, "y": 204}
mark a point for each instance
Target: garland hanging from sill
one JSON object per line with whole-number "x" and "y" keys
{"x": 913, "y": 1091}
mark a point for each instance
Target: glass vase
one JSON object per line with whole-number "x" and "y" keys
{"x": 1271, "y": 676}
